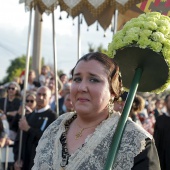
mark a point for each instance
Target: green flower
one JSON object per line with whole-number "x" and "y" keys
{"x": 150, "y": 30}
{"x": 145, "y": 33}
{"x": 167, "y": 43}
{"x": 144, "y": 42}
{"x": 150, "y": 25}
{"x": 158, "y": 37}
{"x": 155, "y": 46}
{"x": 166, "y": 54}
{"x": 164, "y": 30}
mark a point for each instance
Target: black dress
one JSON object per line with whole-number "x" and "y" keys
{"x": 38, "y": 123}
{"x": 162, "y": 140}
{"x": 147, "y": 159}
{"x": 10, "y": 106}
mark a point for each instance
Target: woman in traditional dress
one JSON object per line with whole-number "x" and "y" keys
{"x": 81, "y": 140}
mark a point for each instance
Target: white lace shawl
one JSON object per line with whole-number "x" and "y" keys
{"x": 92, "y": 156}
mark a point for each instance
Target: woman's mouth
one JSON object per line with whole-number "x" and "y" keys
{"x": 83, "y": 100}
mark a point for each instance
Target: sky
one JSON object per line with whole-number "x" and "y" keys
{"x": 14, "y": 22}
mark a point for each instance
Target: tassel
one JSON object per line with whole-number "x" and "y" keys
{"x": 97, "y": 27}
{"x": 41, "y": 20}
{"x": 60, "y": 18}
{"x": 81, "y": 21}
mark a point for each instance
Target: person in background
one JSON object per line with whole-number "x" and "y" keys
{"x": 45, "y": 71}
{"x": 5, "y": 123}
{"x": 51, "y": 86}
{"x": 10, "y": 104}
{"x": 30, "y": 106}
{"x": 81, "y": 140}
{"x": 33, "y": 126}
{"x": 162, "y": 135}
{"x": 5, "y": 141}
{"x": 3, "y": 138}
{"x": 32, "y": 83}
{"x": 3, "y": 92}
{"x": 15, "y": 79}
{"x": 158, "y": 107}
{"x": 64, "y": 79}
{"x": 3, "y": 133}
{"x": 137, "y": 106}
{"x": 65, "y": 90}
{"x": 119, "y": 104}
{"x": 149, "y": 122}
{"x": 67, "y": 105}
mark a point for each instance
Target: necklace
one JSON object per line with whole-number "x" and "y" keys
{"x": 79, "y": 133}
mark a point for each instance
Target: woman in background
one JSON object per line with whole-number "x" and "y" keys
{"x": 30, "y": 107}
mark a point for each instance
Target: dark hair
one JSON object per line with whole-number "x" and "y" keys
{"x": 61, "y": 75}
{"x": 166, "y": 98}
{"x": 111, "y": 68}
{"x": 138, "y": 104}
{"x": 1, "y": 128}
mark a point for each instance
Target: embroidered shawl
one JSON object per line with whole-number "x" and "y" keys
{"x": 94, "y": 152}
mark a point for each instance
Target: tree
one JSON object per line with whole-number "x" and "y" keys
{"x": 100, "y": 48}
{"x": 16, "y": 67}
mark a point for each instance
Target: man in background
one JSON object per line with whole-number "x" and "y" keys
{"x": 33, "y": 126}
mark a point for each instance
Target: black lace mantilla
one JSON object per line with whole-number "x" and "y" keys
{"x": 65, "y": 154}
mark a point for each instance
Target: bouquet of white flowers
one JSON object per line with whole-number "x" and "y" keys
{"x": 150, "y": 30}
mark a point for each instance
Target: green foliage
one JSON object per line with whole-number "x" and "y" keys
{"x": 91, "y": 47}
{"x": 59, "y": 72}
{"x": 100, "y": 48}
{"x": 16, "y": 67}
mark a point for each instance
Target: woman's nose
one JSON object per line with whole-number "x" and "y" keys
{"x": 82, "y": 86}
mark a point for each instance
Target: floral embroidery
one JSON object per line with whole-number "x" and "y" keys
{"x": 94, "y": 152}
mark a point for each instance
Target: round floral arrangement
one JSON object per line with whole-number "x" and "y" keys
{"x": 150, "y": 30}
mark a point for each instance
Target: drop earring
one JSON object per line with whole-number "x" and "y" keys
{"x": 111, "y": 106}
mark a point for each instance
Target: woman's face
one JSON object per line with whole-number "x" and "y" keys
{"x": 12, "y": 89}
{"x": 90, "y": 88}
{"x": 30, "y": 102}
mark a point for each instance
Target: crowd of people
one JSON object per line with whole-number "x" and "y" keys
{"x": 90, "y": 104}
{"x": 40, "y": 112}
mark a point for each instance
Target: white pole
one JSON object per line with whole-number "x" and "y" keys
{"x": 79, "y": 40}
{"x": 25, "y": 81}
{"x": 6, "y": 157}
{"x": 37, "y": 43}
{"x": 115, "y": 21}
{"x": 55, "y": 63}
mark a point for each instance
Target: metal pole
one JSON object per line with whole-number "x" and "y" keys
{"x": 55, "y": 64}
{"x": 115, "y": 21}
{"x": 79, "y": 39}
{"x": 25, "y": 81}
{"x": 122, "y": 122}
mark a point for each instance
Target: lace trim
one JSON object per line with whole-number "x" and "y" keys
{"x": 65, "y": 154}
{"x": 94, "y": 152}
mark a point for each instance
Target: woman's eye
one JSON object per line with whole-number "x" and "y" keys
{"x": 94, "y": 80}
{"x": 77, "y": 79}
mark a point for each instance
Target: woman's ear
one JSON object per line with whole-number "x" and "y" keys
{"x": 116, "y": 84}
